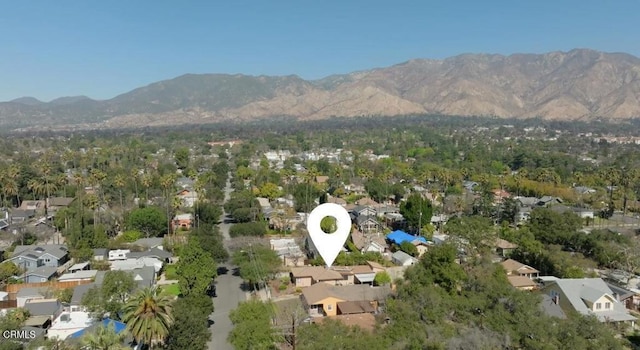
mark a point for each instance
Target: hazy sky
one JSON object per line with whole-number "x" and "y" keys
{"x": 104, "y": 48}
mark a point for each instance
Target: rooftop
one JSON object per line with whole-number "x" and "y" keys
{"x": 72, "y": 320}
{"x": 82, "y": 274}
{"x": 356, "y": 292}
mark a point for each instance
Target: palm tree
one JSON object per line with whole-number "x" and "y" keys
{"x": 148, "y": 316}
{"x": 104, "y": 338}
{"x": 119, "y": 183}
{"x": 62, "y": 181}
{"x": 135, "y": 175}
{"x": 167, "y": 182}
{"x": 147, "y": 181}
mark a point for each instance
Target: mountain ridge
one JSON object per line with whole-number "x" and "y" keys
{"x": 578, "y": 84}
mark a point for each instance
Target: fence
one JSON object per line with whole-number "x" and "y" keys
{"x": 8, "y": 304}
{"x": 13, "y": 289}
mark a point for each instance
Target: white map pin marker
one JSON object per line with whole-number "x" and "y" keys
{"x": 329, "y": 245}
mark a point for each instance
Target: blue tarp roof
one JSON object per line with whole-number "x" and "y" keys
{"x": 119, "y": 327}
{"x": 400, "y": 236}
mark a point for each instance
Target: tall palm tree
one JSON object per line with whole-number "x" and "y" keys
{"x": 119, "y": 183}
{"x": 146, "y": 181}
{"x": 62, "y": 181}
{"x": 148, "y": 316}
{"x": 10, "y": 189}
{"x": 167, "y": 182}
{"x": 135, "y": 175}
{"x": 104, "y": 338}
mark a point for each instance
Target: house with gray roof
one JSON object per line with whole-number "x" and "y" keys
{"x": 22, "y": 215}
{"x": 403, "y": 259}
{"x": 144, "y": 276}
{"x": 26, "y": 294}
{"x": 101, "y": 254}
{"x": 78, "y": 294}
{"x": 589, "y": 297}
{"x": 159, "y": 254}
{"x": 40, "y": 274}
{"x": 30, "y": 257}
{"x": 45, "y": 307}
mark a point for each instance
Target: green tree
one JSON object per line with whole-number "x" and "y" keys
{"x": 252, "y": 326}
{"x": 148, "y": 316}
{"x": 149, "y": 220}
{"x": 409, "y": 248}
{"x": 416, "y": 210}
{"x": 211, "y": 241}
{"x": 181, "y": 156}
{"x": 195, "y": 268}
{"x": 270, "y": 190}
{"x": 190, "y": 329}
{"x": 257, "y": 264}
{"x": 382, "y": 278}
{"x": 8, "y": 269}
{"x": 111, "y": 295}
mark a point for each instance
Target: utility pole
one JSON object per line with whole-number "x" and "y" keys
{"x": 420, "y": 224}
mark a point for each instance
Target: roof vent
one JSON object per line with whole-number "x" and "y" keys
{"x": 65, "y": 317}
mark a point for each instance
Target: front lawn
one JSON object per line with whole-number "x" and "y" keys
{"x": 171, "y": 289}
{"x": 170, "y": 272}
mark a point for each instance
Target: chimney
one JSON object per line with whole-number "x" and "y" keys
{"x": 616, "y": 296}
{"x": 556, "y": 299}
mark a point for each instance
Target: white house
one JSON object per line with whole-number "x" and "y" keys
{"x": 68, "y": 323}
{"x": 132, "y": 264}
{"x": 82, "y": 275}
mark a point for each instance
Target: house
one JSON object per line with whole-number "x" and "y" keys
{"x": 188, "y": 197}
{"x": 80, "y": 275}
{"x": 363, "y": 210}
{"x": 336, "y": 200}
{"x": 183, "y": 221}
{"x": 398, "y": 237}
{"x": 30, "y": 257}
{"x": 522, "y": 282}
{"x": 366, "y": 201}
{"x": 325, "y": 300}
{"x": 515, "y": 268}
{"x": 288, "y": 251}
{"x": 588, "y": 296}
{"x": 149, "y": 243}
{"x": 100, "y": 254}
{"x": 35, "y": 205}
{"x": 78, "y": 294}
{"x": 132, "y": 264}
{"x": 50, "y": 308}
{"x": 421, "y": 246}
{"x": 57, "y": 203}
{"x": 582, "y": 190}
{"x": 367, "y": 224}
{"x": 68, "y": 323}
{"x": 26, "y": 294}
{"x": 22, "y": 215}
{"x": 630, "y": 299}
{"x": 368, "y": 243}
{"x": 157, "y": 253}
{"x": 145, "y": 276}
{"x": 310, "y": 275}
{"x": 548, "y": 201}
{"x": 403, "y": 259}
{"x": 503, "y": 247}
{"x": 40, "y": 274}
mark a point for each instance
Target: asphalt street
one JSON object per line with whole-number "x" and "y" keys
{"x": 229, "y": 293}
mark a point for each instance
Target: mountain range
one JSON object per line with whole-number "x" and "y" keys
{"x": 579, "y": 84}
